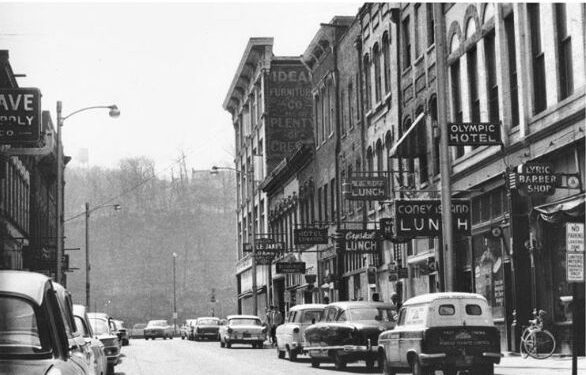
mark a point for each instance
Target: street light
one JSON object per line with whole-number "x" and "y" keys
{"x": 117, "y": 207}
{"x": 174, "y": 296}
{"x": 114, "y": 112}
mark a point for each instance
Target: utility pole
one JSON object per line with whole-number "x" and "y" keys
{"x": 447, "y": 248}
{"x": 87, "y": 255}
{"x": 250, "y": 176}
{"x": 59, "y": 200}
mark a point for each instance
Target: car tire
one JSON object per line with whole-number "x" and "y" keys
{"x": 451, "y": 371}
{"x": 417, "y": 369}
{"x": 369, "y": 363}
{"x": 387, "y": 369}
{"x": 110, "y": 370}
{"x": 314, "y": 363}
{"x": 280, "y": 353}
{"x": 222, "y": 345}
{"x": 261, "y": 344}
{"x": 339, "y": 362}
{"x": 228, "y": 345}
{"x": 292, "y": 354}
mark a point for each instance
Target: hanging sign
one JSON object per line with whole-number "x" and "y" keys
{"x": 386, "y": 228}
{"x": 474, "y": 134}
{"x": 536, "y": 179}
{"x": 290, "y": 267}
{"x": 311, "y": 236}
{"x": 20, "y": 115}
{"x": 361, "y": 241}
{"x": 264, "y": 259}
{"x": 366, "y": 189}
{"x": 422, "y": 218}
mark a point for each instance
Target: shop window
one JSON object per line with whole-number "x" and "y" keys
{"x": 489, "y": 271}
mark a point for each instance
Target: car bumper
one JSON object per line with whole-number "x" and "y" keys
{"x": 464, "y": 361}
{"x": 206, "y": 334}
{"x": 243, "y": 340}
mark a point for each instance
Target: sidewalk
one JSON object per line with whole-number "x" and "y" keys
{"x": 554, "y": 363}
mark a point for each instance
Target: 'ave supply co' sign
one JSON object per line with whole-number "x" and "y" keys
{"x": 20, "y": 115}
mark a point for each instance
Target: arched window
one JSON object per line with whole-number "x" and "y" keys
{"x": 387, "y": 61}
{"x": 377, "y": 73}
{"x": 422, "y": 145}
{"x": 367, "y": 89}
{"x": 369, "y": 168}
{"x": 379, "y": 158}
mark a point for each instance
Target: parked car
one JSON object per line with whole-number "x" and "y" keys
{"x": 35, "y": 329}
{"x": 158, "y": 328}
{"x": 206, "y": 327}
{"x": 186, "y": 330}
{"x": 121, "y": 332}
{"x": 243, "y": 329}
{"x": 290, "y": 335}
{"x": 137, "y": 330}
{"x": 103, "y": 328}
{"x": 349, "y": 332}
{"x": 445, "y": 331}
{"x": 98, "y": 357}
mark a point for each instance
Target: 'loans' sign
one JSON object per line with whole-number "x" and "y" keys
{"x": 422, "y": 218}
{"x": 20, "y": 115}
{"x": 474, "y": 134}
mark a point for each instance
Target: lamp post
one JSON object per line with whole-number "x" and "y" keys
{"x": 253, "y": 240}
{"x": 114, "y": 112}
{"x": 88, "y": 211}
{"x": 174, "y": 296}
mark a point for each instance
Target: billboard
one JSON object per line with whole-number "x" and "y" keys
{"x": 20, "y": 115}
{"x": 289, "y": 110}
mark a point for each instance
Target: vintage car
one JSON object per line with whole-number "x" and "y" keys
{"x": 121, "y": 332}
{"x": 137, "y": 330}
{"x": 442, "y": 331}
{"x": 349, "y": 333}
{"x": 84, "y": 328}
{"x": 206, "y": 327}
{"x": 243, "y": 329}
{"x": 35, "y": 331}
{"x": 290, "y": 335}
{"x": 158, "y": 328}
{"x": 186, "y": 330}
{"x": 103, "y": 329}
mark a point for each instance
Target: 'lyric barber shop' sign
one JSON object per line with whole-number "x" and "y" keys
{"x": 20, "y": 115}
{"x": 360, "y": 241}
{"x": 422, "y": 218}
{"x": 536, "y": 178}
{"x": 474, "y": 134}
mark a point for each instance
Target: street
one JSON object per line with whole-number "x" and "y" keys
{"x": 178, "y": 357}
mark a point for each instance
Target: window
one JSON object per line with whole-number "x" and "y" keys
{"x": 319, "y": 207}
{"x": 492, "y": 85}
{"x": 537, "y": 58}
{"x": 564, "y": 45}
{"x": 317, "y": 119}
{"x": 387, "y": 61}
{"x": 333, "y": 198}
{"x": 331, "y": 107}
{"x": 343, "y": 112}
{"x": 430, "y": 24}
{"x": 406, "y": 43}
{"x": 379, "y": 158}
{"x": 325, "y": 103}
{"x": 417, "y": 31}
{"x": 473, "y": 85}
{"x": 473, "y": 310}
{"x": 447, "y": 310}
{"x": 350, "y": 105}
{"x": 367, "y": 82}
{"x": 422, "y": 142}
{"x": 325, "y": 202}
{"x": 512, "y": 51}
{"x": 456, "y": 101}
{"x": 377, "y": 73}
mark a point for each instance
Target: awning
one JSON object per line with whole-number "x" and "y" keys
{"x": 563, "y": 210}
{"x": 412, "y": 143}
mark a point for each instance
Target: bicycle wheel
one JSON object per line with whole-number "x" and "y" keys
{"x": 524, "y": 336}
{"x": 539, "y": 344}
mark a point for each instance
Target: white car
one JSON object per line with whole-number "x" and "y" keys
{"x": 82, "y": 323}
{"x": 290, "y": 335}
{"x": 243, "y": 329}
{"x": 158, "y": 328}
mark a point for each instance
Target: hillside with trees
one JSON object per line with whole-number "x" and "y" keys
{"x": 131, "y": 249}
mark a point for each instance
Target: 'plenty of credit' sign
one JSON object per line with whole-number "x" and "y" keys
{"x": 20, "y": 115}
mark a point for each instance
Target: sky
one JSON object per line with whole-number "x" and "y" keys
{"x": 168, "y": 67}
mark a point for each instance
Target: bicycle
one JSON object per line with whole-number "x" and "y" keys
{"x": 536, "y": 341}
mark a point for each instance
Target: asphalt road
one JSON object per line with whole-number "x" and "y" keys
{"x": 183, "y": 357}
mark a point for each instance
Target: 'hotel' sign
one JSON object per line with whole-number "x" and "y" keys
{"x": 474, "y": 134}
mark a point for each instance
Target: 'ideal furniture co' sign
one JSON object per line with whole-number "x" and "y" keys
{"x": 361, "y": 241}
{"x": 474, "y": 134}
{"x": 366, "y": 189}
{"x": 422, "y": 218}
{"x": 20, "y": 115}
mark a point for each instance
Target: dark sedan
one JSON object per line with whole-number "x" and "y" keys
{"x": 349, "y": 333}
{"x": 206, "y": 327}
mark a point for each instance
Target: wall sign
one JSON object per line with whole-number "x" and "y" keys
{"x": 311, "y": 236}
{"x": 575, "y": 252}
{"x": 536, "y": 179}
{"x": 474, "y": 134}
{"x": 366, "y": 189}
{"x": 20, "y": 115}
{"x": 290, "y": 267}
{"x": 422, "y": 218}
{"x": 575, "y": 237}
{"x": 362, "y": 241}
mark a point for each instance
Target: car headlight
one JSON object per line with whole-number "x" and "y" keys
{"x": 54, "y": 371}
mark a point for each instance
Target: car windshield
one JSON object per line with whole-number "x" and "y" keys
{"x": 208, "y": 322}
{"x": 372, "y": 313}
{"x": 100, "y": 326}
{"x": 80, "y": 326}
{"x": 157, "y": 323}
{"x": 245, "y": 322}
{"x": 19, "y": 328}
{"x": 311, "y": 315}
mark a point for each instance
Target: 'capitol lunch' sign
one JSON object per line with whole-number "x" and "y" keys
{"x": 20, "y": 115}
{"x": 362, "y": 241}
{"x": 366, "y": 189}
{"x": 474, "y": 134}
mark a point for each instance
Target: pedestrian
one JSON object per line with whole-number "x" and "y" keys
{"x": 396, "y": 300}
{"x": 276, "y": 320}
{"x": 269, "y": 322}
